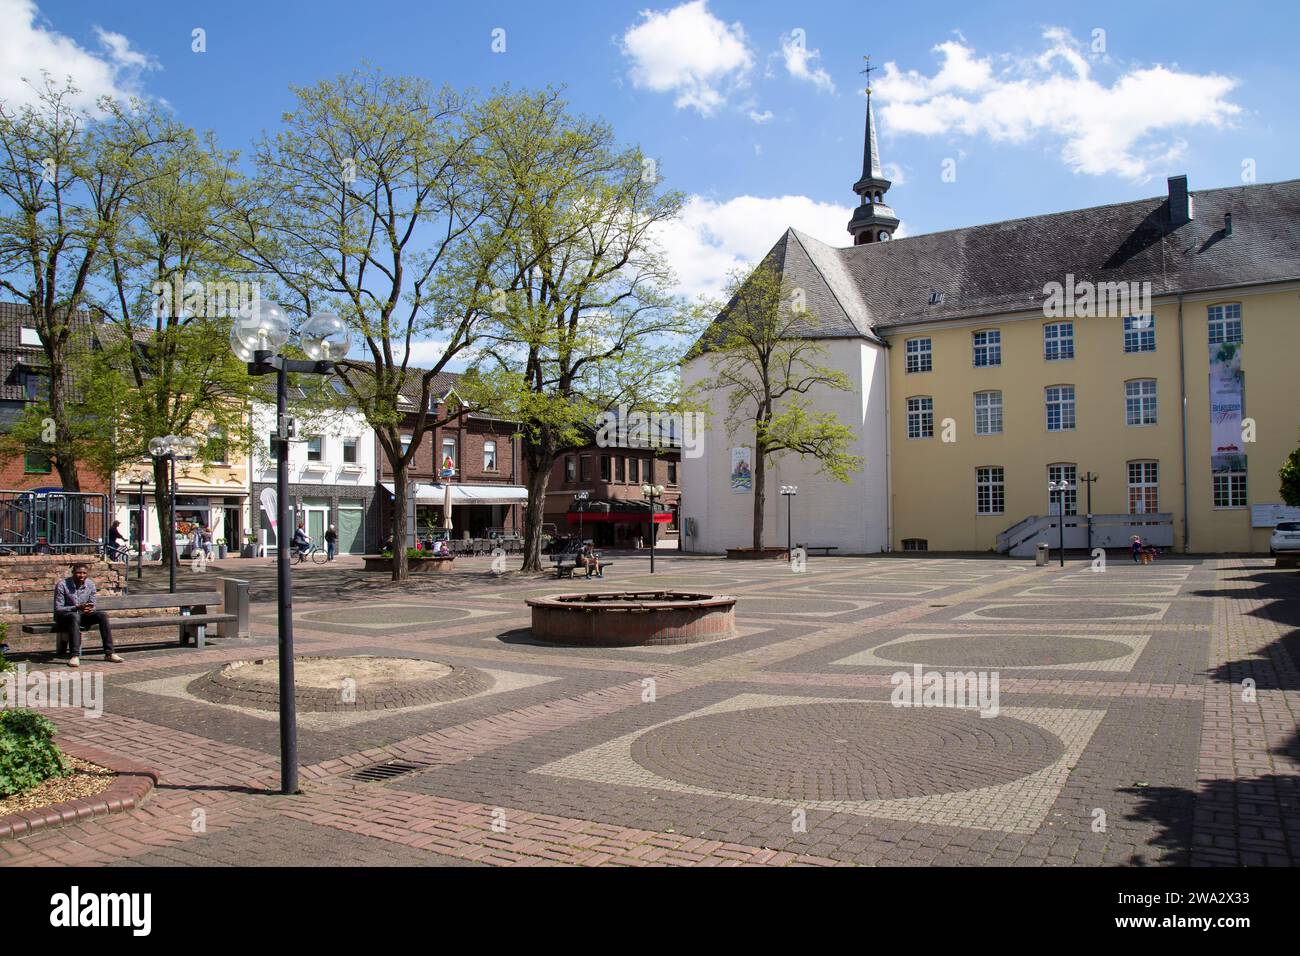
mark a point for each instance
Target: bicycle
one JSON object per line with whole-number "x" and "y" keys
{"x": 317, "y": 554}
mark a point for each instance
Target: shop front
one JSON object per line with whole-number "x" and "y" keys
{"x": 477, "y": 509}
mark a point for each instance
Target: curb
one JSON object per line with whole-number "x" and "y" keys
{"x": 126, "y": 792}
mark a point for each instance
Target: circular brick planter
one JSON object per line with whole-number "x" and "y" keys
{"x": 127, "y": 791}
{"x": 749, "y": 554}
{"x": 325, "y": 684}
{"x": 631, "y": 618}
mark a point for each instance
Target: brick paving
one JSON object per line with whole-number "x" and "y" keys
{"x": 1144, "y": 715}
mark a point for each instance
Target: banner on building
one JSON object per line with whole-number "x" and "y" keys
{"x": 270, "y": 506}
{"x": 1227, "y": 407}
{"x": 742, "y": 470}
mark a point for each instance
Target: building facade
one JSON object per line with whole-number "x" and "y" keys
{"x": 331, "y": 480}
{"x": 612, "y": 511}
{"x": 1131, "y": 365}
{"x": 473, "y": 462}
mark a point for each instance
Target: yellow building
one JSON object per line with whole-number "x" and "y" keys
{"x": 1152, "y": 346}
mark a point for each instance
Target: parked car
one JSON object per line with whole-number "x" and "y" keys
{"x": 1286, "y": 537}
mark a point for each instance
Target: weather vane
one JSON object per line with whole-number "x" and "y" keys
{"x": 867, "y": 72}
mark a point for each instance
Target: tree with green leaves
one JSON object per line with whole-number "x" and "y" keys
{"x": 764, "y": 359}
{"x": 385, "y": 229}
{"x": 1290, "y": 478}
{"x": 66, "y": 177}
{"x": 583, "y": 318}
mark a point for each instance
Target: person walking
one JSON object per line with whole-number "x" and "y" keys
{"x": 75, "y": 611}
{"x": 331, "y": 542}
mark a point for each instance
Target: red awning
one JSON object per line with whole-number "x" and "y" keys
{"x": 630, "y": 517}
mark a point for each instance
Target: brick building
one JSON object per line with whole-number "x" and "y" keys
{"x": 474, "y": 459}
{"x": 615, "y": 512}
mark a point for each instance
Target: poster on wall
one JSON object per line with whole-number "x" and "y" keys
{"x": 1270, "y": 515}
{"x": 742, "y": 470}
{"x": 1227, "y": 407}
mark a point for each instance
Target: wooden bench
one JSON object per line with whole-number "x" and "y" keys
{"x": 191, "y": 620}
{"x": 825, "y": 549}
{"x": 566, "y": 564}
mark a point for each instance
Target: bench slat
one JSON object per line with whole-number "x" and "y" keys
{"x": 125, "y": 622}
{"x": 44, "y": 604}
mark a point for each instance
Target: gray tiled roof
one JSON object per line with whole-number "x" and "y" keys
{"x": 1004, "y": 266}
{"x": 1000, "y": 267}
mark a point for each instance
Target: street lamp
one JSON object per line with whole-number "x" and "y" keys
{"x": 653, "y": 493}
{"x": 256, "y": 338}
{"x": 170, "y": 449}
{"x": 581, "y": 496}
{"x": 788, "y": 492}
{"x": 1060, "y": 487}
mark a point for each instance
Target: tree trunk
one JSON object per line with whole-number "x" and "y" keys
{"x": 540, "y": 459}
{"x": 535, "y": 517}
{"x": 161, "y": 504}
{"x": 760, "y": 494}
{"x": 65, "y": 462}
{"x": 401, "y": 569}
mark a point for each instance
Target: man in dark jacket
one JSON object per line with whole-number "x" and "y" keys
{"x": 331, "y": 542}
{"x": 75, "y": 611}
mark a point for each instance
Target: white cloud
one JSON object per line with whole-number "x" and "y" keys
{"x": 894, "y": 173}
{"x": 761, "y": 118}
{"x": 711, "y": 237}
{"x": 799, "y": 61}
{"x": 29, "y": 44}
{"x": 690, "y": 52}
{"x": 1128, "y": 127}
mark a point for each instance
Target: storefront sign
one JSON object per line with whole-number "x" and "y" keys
{"x": 1268, "y": 516}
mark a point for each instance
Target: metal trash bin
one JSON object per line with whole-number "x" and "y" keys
{"x": 1040, "y": 555}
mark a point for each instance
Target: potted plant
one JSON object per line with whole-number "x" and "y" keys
{"x": 249, "y": 547}
{"x": 221, "y": 548}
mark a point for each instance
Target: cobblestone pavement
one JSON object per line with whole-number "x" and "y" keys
{"x": 1140, "y": 715}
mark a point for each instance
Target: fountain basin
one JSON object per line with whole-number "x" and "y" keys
{"x": 632, "y": 618}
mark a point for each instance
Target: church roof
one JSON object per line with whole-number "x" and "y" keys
{"x": 1003, "y": 266}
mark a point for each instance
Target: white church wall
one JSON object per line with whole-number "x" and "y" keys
{"x": 851, "y": 517}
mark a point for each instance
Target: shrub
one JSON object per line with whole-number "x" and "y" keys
{"x": 28, "y": 753}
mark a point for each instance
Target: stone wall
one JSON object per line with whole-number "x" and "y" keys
{"x": 38, "y": 574}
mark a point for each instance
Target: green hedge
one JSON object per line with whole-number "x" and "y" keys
{"x": 28, "y": 753}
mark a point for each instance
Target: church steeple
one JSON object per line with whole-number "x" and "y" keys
{"x": 873, "y": 220}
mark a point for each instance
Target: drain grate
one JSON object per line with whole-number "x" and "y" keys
{"x": 386, "y": 771}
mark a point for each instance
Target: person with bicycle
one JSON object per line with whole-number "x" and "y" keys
{"x": 116, "y": 550}
{"x": 301, "y": 542}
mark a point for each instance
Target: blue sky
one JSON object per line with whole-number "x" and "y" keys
{"x": 755, "y": 109}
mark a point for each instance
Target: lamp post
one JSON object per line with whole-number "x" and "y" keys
{"x": 788, "y": 492}
{"x": 582, "y": 496}
{"x": 256, "y": 338}
{"x": 1060, "y": 487}
{"x": 171, "y": 449}
{"x": 1088, "y": 479}
{"x": 653, "y": 493}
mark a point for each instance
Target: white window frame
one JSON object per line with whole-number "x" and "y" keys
{"x": 1224, "y": 322}
{"x": 1234, "y": 487}
{"x": 1058, "y": 341}
{"x": 489, "y": 448}
{"x": 1147, "y": 486}
{"x": 319, "y": 441}
{"x": 1067, "y": 419}
{"x": 990, "y": 412}
{"x": 919, "y": 355}
{"x": 1139, "y": 333}
{"x": 1140, "y": 405}
{"x": 989, "y": 343}
{"x": 920, "y": 417}
{"x": 356, "y": 444}
{"x": 1067, "y": 471}
{"x": 990, "y": 490}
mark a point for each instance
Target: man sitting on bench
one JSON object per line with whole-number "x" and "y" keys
{"x": 74, "y": 612}
{"x": 588, "y": 559}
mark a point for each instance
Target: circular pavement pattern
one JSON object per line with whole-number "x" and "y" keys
{"x": 845, "y": 751}
{"x": 1003, "y": 650}
{"x": 340, "y": 683}
{"x": 1055, "y": 612}
{"x": 761, "y": 604}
